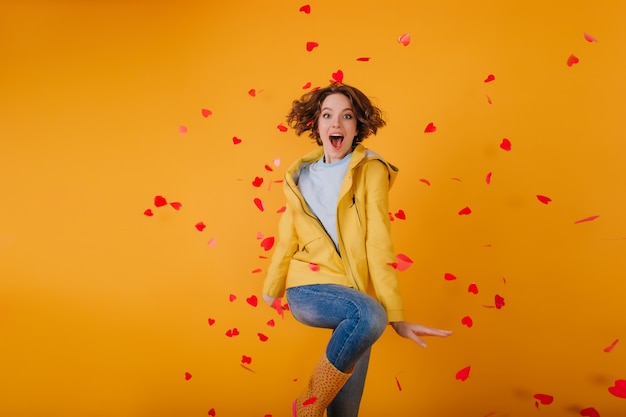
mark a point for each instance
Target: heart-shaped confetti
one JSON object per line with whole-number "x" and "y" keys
{"x": 488, "y": 178}
{"x": 489, "y": 100}
{"x": 338, "y": 76}
{"x": 473, "y": 288}
{"x": 400, "y": 214}
{"x": 187, "y": 376}
{"x": 619, "y": 388}
{"x": 499, "y": 301}
{"x": 232, "y": 297}
{"x": 363, "y": 59}
{"x": 403, "y": 261}
{"x": 259, "y": 204}
{"x": 160, "y": 201}
{"x": 544, "y": 399}
{"x": 271, "y": 323}
{"x": 282, "y": 128}
{"x": 305, "y": 9}
{"x": 246, "y": 359}
{"x": 212, "y": 412}
{"x": 307, "y": 85}
{"x": 465, "y": 211}
{"x": 281, "y": 210}
{"x": 262, "y": 337}
{"x": 589, "y": 38}
{"x": 404, "y": 39}
{"x": 268, "y": 243}
{"x": 572, "y": 60}
{"x": 279, "y": 309}
{"x": 314, "y": 267}
{"x": 257, "y": 271}
{"x": 467, "y": 321}
{"x": 311, "y": 45}
{"x": 425, "y": 181}
{"x": 148, "y": 213}
{"x": 449, "y": 277}
{"x": 252, "y": 92}
{"x": 212, "y": 242}
{"x": 543, "y": 199}
{"x": 176, "y": 205}
{"x": 200, "y": 226}
{"x": 309, "y": 401}
{"x": 182, "y": 130}
{"x": 252, "y": 300}
{"x": 236, "y": 140}
{"x": 505, "y": 144}
{"x": 232, "y": 332}
{"x": 463, "y": 374}
{"x": 586, "y": 219}
{"x": 206, "y": 112}
{"x": 490, "y": 78}
{"x": 211, "y": 321}
{"x": 257, "y": 181}
{"x": 611, "y": 346}
{"x": 430, "y": 128}
{"x": 589, "y": 412}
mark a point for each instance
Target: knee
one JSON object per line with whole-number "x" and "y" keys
{"x": 375, "y": 319}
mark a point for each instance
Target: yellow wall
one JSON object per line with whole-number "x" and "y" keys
{"x": 103, "y": 309}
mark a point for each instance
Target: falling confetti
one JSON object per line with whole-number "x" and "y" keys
{"x": 363, "y": 59}
{"x": 212, "y": 242}
{"x": 262, "y": 337}
{"x": 611, "y": 346}
{"x": 314, "y": 267}
{"x": 309, "y": 401}
{"x": 425, "y": 181}
{"x": 182, "y": 130}
{"x": 404, "y": 39}
{"x": 430, "y": 128}
{"x": 472, "y": 288}
{"x": 398, "y": 384}
{"x": 465, "y": 211}
{"x": 490, "y": 78}
{"x": 148, "y": 213}
{"x": 449, "y": 277}
{"x": 257, "y": 181}
{"x": 252, "y": 92}
{"x": 236, "y": 140}
{"x": 400, "y": 214}
{"x": 311, "y": 45}
{"x": 259, "y": 204}
{"x": 586, "y": 219}
{"x": 176, "y": 205}
{"x": 338, "y": 76}
{"x": 232, "y": 332}
{"x": 571, "y": 60}
{"x": 232, "y": 297}
{"x": 463, "y": 374}
{"x": 489, "y": 100}
{"x": 544, "y": 199}
{"x": 505, "y": 144}
{"x": 544, "y": 399}
{"x": 488, "y": 178}
{"x": 200, "y": 226}
{"x": 619, "y": 388}
{"x": 206, "y": 112}
{"x": 307, "y": 85}
{"x": 589, "y": 412}
{"x": 252, "y": 300}
{"x": 499, "y": 301}
{"x": 467, "y": 321}
{"x": 268, "y": 243}
{"x": 246, "y": 359}
{"x": 271, "y": 323}
{"x": 306, "y": 9}
{"x": 212, "y": 412}
{"x": 403, "y": 262}
{"x": 589, "y": 38}
{"x": 211, "y": 321}
{"x": 282, "y": 128}
{"x": 160, "y": 201}
{"x": 187, "y": 376}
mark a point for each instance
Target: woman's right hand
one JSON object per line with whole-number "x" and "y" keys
{"x": 269, "y": 299}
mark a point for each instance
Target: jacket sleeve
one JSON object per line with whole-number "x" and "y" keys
{"x": 274, "y": 284}
{"x": 378, "y": 243}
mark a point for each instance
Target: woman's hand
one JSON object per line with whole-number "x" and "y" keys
{"x": 269, "y": 300}
{"x": 413, "y": 331}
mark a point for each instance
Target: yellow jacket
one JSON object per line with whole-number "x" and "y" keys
{"x": 305, "y": 254}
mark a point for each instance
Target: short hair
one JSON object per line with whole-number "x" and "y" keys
{"x": 305, "y": 112}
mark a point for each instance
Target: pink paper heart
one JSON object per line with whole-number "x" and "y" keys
{"x": 404, "y": 39}
{"x": 212, "y": 412}
{"x": 499, "y": 300}
{"x": 314, "y": 267}
{"x": 404, "y": 262}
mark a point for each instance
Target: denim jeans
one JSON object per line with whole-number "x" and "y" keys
{"x": 357, "y": 321}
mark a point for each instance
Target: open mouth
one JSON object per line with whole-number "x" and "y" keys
{"x": 336, "y": 140}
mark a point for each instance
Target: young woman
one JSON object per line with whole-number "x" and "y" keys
{"x": 334, "y": 241}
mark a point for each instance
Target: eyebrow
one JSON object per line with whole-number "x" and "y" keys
{"x": 347, "y": 108}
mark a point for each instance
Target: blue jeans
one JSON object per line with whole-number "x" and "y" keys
{"x": 357, "y": 321}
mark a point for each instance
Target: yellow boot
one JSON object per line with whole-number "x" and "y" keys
{"x": 324, "y": 384}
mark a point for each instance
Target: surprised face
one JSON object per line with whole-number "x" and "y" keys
{"x": 337, "y": 127}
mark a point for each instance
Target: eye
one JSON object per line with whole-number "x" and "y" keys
{"x": 347, "y": 116}
{"x": 326, "y": 115}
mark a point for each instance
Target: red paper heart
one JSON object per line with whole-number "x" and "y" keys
{"x": 148, "y": 213}
{"x": 589, "y": 412}
{"x": 586, "y": 219}
{"x": 314, "y": 267}
{"x": 488, "y": 178}
{"x": 619, "y": 388}
{"x": 282, "y": 128}
{"x": 252, "y": 300}
{"x": 268, "y": 243}
{"x": 232, "y": 297}
{"x": 200, "y": 226}
{"x": 307, "y": 85}
{"x": 430, "y": 128}
{"x": 463, "y": 374}
{"x": 543, "y": 199}
{"x": 257, "y": 181}
{"x": 212, "y": 412}
{"x": 589, "y": 38}
{"x": 490, "y": 78}
{"x": 363, "y": 59}
{"x": 311, "y": 45}
{"x": 309, "y": 401}
{"x": 404, "y": 39}
{"x": 246, "y": 359}
{"x": 572, "y": 59}
{"x": 544, "y": 399}
{"x": 182, "y": 130}
{"x": 212, "y": 242}
{"x": 259, "y": 204}
{"x": 211, "y": 321}
{"x": 160, "y": 201}
{"x": 449, "y": 277}
{"x": 305, "y": 9}
{"x": 488, "y": 99}
{"x": 206, "y": 112}
{"x": 271, "y": 323}
{"x": 505, "y": 144}
{"x": 252, "y": 92}
{"x": 611, "y": 346}
{"x": 499, "y": 300}
{"x": 176, "y": 205}
{"x": 400, "y": 214}
{"x": 473, "y": 288}
{"x": 279, "y": 309}
{"x": 262, "y": 337}
{"x": 425, "y": 181}
{"x": 467, "y": 321}
{"x": 465, "y": 211}
{"x": 404, "y": 262}
{"x": 187, "y": 376}
{"x": 236, "y": 140}
{"x": 338, "y": 76}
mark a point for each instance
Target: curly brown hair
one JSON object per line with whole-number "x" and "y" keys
{"x": 305, "y": 112}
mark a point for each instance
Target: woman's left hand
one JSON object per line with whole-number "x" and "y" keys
{"x": 414, "y": 331}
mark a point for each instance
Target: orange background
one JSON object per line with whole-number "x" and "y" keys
{"x": 104, "y": 309}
